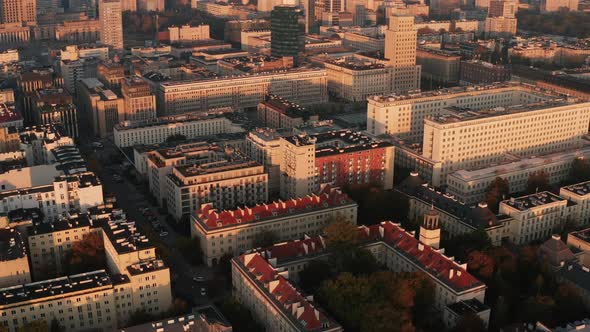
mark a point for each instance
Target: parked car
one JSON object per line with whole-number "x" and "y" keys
{"x": 163, "y": 234}
{"x": 203, "y": 291}
{"x": 198, "y": 279}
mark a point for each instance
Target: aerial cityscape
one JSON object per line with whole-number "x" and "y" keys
{"x": 294, "y": 165}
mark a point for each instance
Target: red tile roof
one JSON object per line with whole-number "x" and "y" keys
{"x": 328, "y": 197}
{"x": 296, "y": 248}
{"x": 428, "y": 259}
{"x": 288, "y": 298}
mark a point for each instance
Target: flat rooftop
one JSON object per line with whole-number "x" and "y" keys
{"x": 232, "y": 162}
{"x": 583, "y": 234}
{"x": 55, "y": 287}
{"x": 455, "y": 114}
{"x": 125, "y": 236}
{"x": 334, "y": 142}
{"x": 581, "y": 189}
{"x": 524, "y": 203}
{"x": 171, "y": 120}
{"x": 286, "y": 107}
{"x": 146, "y": 267}
{"x": 355, "y": 65}
{"x": 8, "y": 113}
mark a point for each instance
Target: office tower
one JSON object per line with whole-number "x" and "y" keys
{"x": 287, "y": 31}
{"x": 310, "y": 17}
{"x": 111, "y": 23}
{"x": 87, "y": 7}
{"x": 502, "y": 8}
{"x": 400, "y": 51}
{"x": 17, "y": 11}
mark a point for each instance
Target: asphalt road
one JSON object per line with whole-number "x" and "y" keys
{"x": 131, "y": 200}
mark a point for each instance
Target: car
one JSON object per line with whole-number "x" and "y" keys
{"x": 163, "y": 234}
{"x": 97, "y": 145}
{"x": 203, "y": 291}
{"x": 198, "y": 279}
{"x": 144, "y": 210}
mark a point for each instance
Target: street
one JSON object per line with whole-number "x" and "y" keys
{"x": 131, "y": 199}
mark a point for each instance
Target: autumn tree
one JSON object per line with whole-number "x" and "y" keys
{"x": 86, "y": 255}
{"x": 580, "y": 170}
{"x": 496, "y": 192}
{"x": 341, "y": 234}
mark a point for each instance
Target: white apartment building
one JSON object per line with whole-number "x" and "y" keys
{"x": 579, "y": 193}
{"x": 537, "y": 216}
{"x": 304, "y": 86}
{"x": 188, "y": 33}
{"x": 264, "y": 146}
{"x": 363, "y": 42}
{"x": 470, "y": 185}
{"x": 156, "y": 131}
{"x": 463, "y": 138}
{"x": 77, "y": 52}
{"x": 45, "y": 188}
{"x": 235, "y": 231}
{"x": 226, "y": 180}
{"x": 13, "y": 258}
{"x": 390, "y": 244}
{"x": 404, "y": 114}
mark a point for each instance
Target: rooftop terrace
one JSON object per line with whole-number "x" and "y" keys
{"x": 534, "y": 200}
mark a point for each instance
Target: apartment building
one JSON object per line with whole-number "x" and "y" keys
{"x": 63, "y": 114}
{"x": 49, "y": 243}
{"x": 276, "y": 112}
{"x": 235, "y": 231}
{"x": 224, "y": 178}
{"x": 400, "y": 50}
{"x": 9, "y": 116}
{"x": 336, "y": 157}
{"x": 111, "y": 74}
{"x": 188, "y": 33}
{"x": 81, "y": 51}
{"x": 500, "y": 27}
{"x": 557, "y": 5}
{"x": 537, "y": 216}
{"x": 80, "y": 31}
{"x": 111, "y": 23}
{"x": 156, "y": 131}
{"x": 102, "y": 107}
{"x": 482, "y": 72}
{"x": 580, "y": 242}
{"x": 461, "y": 137}
{"x": 14, "y": 259}
{"x": 579, "y": 194}
{"x": 390, "y": 244}
{"x": 303, "y": 86}
{"x": 9, "y": 140}
{"x": 470, "y": 185}
{"x": 136, "y": 280}
{"x": 363, "y": 42}
{"x": 140, "y": 103}
{"x": 205, "y": 318}
{"x": 455, "y": 218}
{"x": 263, "y": 145}
{"x": 46, "y": 188}
{"x": 438, "y": 66}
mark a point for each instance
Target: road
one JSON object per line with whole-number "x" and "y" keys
{"x": 131, "y": 199}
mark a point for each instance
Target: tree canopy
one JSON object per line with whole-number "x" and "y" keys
{"x": 496, "y": 192}
{"x": 538, "y": 181}
{"x": 86, "y": 255}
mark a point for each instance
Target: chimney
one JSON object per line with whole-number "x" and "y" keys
{"x": 451, "y": 273}
{"x": 294, "y": 307}
{"x": 381, "y": 231}
{"x": 420, "y": 247}
{"x": 272, "y": 285}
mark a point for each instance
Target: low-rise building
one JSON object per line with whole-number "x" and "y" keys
{"x": 110, "y": 74}
{"x": 500, "y": 27}
{"x": 14, "y": 259}
{"x": 276, "y": 112}
{"x": 438, "y": 66}
{"x": 364, "y": 43}
{"x": 188, "y": 33}
{"x": 202, "y": 319}
{"x": 482, "y": 72}
{"x": 155, "y": 131}
{"x": 235, "y": 231}
{"x": 537, "y": 216}
{"x": 390, "y": 244}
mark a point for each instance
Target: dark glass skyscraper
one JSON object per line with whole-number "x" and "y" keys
{"x": 287, "y": 27}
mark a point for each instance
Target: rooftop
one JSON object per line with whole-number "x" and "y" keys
{"x": 581, "y": 189}
{"x": 286, "y": 107}
{"x": 8, "y": 113}
{"x": 583, "y": 234}
{"x": 524, "y": 203}
{"x": 355, "y": 65}
{"x": 472, "y": 306}
{"x": 125, "y": 237}
{"x": 231, "y": 161}
{"x": 211, "y": 219}
{"x": 193, "y": 322}
{"x": 334, "y": 142}
{"x": 146, "y": 267}
{"x": 172, "y": 119}
{"x": 55, "y": 287}
{"x": 12, "y": 245}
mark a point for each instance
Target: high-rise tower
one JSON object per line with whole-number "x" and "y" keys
{"x": 111, "y": 23}
{"x": 17, "y": 11}
{"x": 400, "y": 50}
{"x": 287, "y": 30}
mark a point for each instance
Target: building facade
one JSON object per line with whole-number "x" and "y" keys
{"x": 111, "y": 23}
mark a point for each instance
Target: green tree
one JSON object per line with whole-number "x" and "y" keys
{"x": 55, "y": 326}
{"x": 496, "y": 192}
{"x": 314, "y": 274}
{"x": 140, "y": 317}
{"x": 239, "y": 316}
{"x": 460, "y": 246}
{"x": 538, "y": 181}
{"x": 190, "y": 249}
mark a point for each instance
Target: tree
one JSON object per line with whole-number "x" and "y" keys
{"x": 175, "y": 138}
{"x": 496, "y": 192}
{"x": 190, "y": 249}
{"x": 460, "y": 246}
{"x": 55, "y": 326}
{"x": 580, "y": 171}
{"x": 314, "y": 273}
{"x": 470, "y": 323}
{"x": 538, "y": 181}
{"x": 86, "y": 255}
{"x": 35, "y": 326}
{"x": 481, "y": 264}
{"x": 341, "y": 235}
{"x": 266, "y": 238}
{"x": 239, "y": 316}
{"x": 139, "y": 317}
